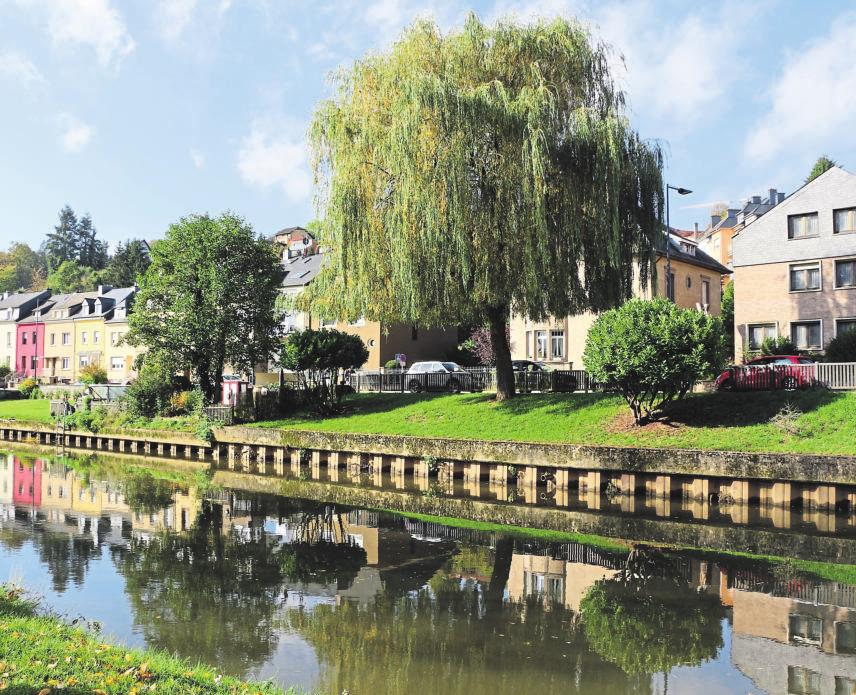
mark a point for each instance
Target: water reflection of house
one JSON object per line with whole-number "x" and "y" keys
{"x": 796, "y": 636}
{"x": 556, "y": 581}
{"x": 179, "y": 516}
{"x": 7, "y": 467}
{"x": 26, "y": 482}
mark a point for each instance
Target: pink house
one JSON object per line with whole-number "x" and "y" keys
{"x": 27, "y": 482}
{"x": 30, "y": 355}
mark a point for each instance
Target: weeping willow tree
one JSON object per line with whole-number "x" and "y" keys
{"x": 491, "y": 170}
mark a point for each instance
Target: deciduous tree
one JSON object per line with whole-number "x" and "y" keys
{"x": 209, "y": 298}
{"x": 489, "y": 170}
{"x": 652, "y": 352}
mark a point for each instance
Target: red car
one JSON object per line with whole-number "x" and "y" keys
{"x": 788, "y": 372}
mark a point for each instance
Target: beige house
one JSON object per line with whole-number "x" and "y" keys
{"x": 384, "y": 342}
{"x": 560, "y": 342}
{"x": 795, "y": 268}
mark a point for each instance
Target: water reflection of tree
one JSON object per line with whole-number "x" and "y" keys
{"x": 453, "y": 635}
{"x": 206, "y": 595}
{"x": 147, "y": 494}
{"x": 647, "y": 619}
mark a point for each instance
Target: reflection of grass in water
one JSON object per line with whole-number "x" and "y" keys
{"x": 541, "y": 534}
{"x": 786, "y": 567}
{"x": 844, "y": 574}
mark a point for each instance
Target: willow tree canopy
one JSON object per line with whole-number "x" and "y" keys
{"x": 490, "y": 169}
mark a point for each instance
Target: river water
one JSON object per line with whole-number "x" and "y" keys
{"x": 332, "y": 598}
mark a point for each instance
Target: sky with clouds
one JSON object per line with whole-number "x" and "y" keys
{"x": 141, "y": 111}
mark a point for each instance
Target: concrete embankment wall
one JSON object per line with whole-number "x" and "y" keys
{"x": 779, "y": 480}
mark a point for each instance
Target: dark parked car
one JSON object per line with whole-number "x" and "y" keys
{"x": 529, "y": 366}
{"x": 788, "y": 372}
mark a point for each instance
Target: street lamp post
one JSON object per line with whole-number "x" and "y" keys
{"x": 670, "y": 290}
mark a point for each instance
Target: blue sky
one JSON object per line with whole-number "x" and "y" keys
{"x": 142, "y": 111}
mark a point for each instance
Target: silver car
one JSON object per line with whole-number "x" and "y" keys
{"x": 438, "y": 376}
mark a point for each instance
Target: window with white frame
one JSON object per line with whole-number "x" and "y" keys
{"x": 541, "y": 345}
{"x": 24, "y": 338}
{"x": 84, "y": 361}
{"x": 845, "y": 273}
{"x": 327, "y": 323}
{"x": 114, "y": 338}
{"x": 845, "y": 325}
{"x": 759, "y": 332}
{"x": 96, "y": 337}
{"x": 117, "y": 363}
{"x": 66, "y": 362}
{"x": 66, "y": 338}
{"x": 802, "y": 226}
{"x": 805, "y": 277}
{"x": 844, "y": 220}
{"x": 529, "y": 345}
{"x": 83, "y": 337}
{"x": 53, "y": 338}
{"x": 557, "y": 344}
{"x": 805, "y": 629}
{"x": 705, "y": 292}
{"x": 806, "y": 335}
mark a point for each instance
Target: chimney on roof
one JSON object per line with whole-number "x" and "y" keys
{"x": 756, "y": 199}
{"x": 6, "y": 295}
{"x": 696, "y": 227}
{"x": 714, "y": 220}
{"x": 104, "y": 289}
{"x": 780, "y": 198}
{"x": 774, "y": 194}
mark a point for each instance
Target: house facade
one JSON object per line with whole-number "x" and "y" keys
{"x": 302, "y": 261}
{"x": 14, "y": 307}
{"x": 695, "y": 283}
{"x": 716, "y": 241}
{"x": 795, "y": 268}
{"x": 119, "y": 357}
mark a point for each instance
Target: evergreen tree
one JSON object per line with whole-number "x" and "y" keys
{"x": 128, "y": 264}
{"x": 822, "y": 165}
{"x": 61, "y": 244}
{"x": 487, "y": 171}
{"x": 91, "y": 251}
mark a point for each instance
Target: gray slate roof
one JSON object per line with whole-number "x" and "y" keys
{"x": 301, "y": 270}
{"x": 18, "y": 299}
{"x": 700, "y": 258}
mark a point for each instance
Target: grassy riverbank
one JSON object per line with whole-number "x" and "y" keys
{"x": 39, "y": 653}
{"x": 717, "y": 421}
{"x": 822, "y": 422}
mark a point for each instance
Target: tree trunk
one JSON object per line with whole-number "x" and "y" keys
{"x": 501, "y": 571}
{"x": 498, "y": 321}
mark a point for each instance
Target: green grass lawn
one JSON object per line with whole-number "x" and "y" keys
{"x": 724, "y": 421}
{"x": 31, "y": 411}
{"x": 43, "y": 654}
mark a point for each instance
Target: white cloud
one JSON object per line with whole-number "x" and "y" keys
{"x": 198, "y": 158}
{"x": 18, "y": 68}
{"x": 93, "y": 23}
{"x": 812, "y": 104}
{"x": 173, "y": 17}
{"x": 671, "y": 70}
{"x": 75, "y": 134}
{"x": 275, "y": 154}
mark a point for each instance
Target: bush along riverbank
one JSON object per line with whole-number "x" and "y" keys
{"x": 40, "y": 653}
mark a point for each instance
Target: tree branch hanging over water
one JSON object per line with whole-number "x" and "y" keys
{"x": 468, "y": 175}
